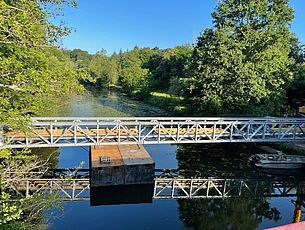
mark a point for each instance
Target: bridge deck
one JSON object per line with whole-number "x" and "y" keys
{"x": 103, "y": 132}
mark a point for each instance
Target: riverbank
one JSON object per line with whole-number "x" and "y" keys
{"x": 173, "y": 104}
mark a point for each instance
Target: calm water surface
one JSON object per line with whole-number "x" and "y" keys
{"x": 207, "y": 159}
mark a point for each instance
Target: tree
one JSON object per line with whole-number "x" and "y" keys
{"x": 31, "y": 71}
{"x": 30, "y": 68}
{"x": 295, "y": 89}
{"x": 132, "y": 77}
{"x": 241, "y": 65}
{"x": 103, "y": 69}
{"x": 81, "y": 58}
{"x": 168, "y": 67}
{"x": 25, "y": 22}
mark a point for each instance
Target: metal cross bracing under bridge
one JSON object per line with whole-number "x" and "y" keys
{"x": 86, "y": 131}
{"x": 169, "y": 188}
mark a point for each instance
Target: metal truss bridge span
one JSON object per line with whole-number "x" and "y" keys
{"x": 169, "y": 188}
{"x": 87, "y": 131}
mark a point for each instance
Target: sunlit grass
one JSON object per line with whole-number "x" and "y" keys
{"x": 166, "y": 95}
{"x": 172, "y": 103}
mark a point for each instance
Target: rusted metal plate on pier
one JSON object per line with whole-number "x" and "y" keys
{"x": 112, "y": 152}
{"x": 121, "y": 165}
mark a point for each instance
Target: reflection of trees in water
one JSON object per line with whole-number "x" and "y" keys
{"x": 211, "y": 159}
{"x": 47, "y": 154}
{"x": 221, "y": 160}
{"x": 225, "y": 214}
{"x": 17, "y": 209}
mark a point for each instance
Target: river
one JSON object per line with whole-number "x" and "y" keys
{"x": 208, "y": 160}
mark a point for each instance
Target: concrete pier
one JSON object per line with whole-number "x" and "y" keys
{"x": 120, "y": 165}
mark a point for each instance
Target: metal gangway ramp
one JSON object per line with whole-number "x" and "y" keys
{"x": 88, "y": 131}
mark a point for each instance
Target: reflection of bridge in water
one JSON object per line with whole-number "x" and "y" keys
{"x": 165, "y": 187}
{"x": 86, "y": 131}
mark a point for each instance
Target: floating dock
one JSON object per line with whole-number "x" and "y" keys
{"x": 120, "y": 165}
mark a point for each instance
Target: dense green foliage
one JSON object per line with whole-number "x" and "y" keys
{"x": 168, "y": 68}
{"x": 296, "y": 88}
{"x": 132, "y": 77}
{"x": 241, "y": 65}
{"x": 30, "y": 68}
{"x": 32, "y": 71}
{"x": 103, "y": 69}
{"x": 138, "y": 72}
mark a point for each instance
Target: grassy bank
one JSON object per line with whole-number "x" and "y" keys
{"x": 171, "y": 103}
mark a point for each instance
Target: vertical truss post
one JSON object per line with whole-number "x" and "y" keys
{"x": 159, "y": 132}
{"x": 97, "y": 131}
{"x": 224, "y": 188}
{"x": 196, "y": 132}
{"x": 155, "y": 188}
{"x": 248, "y": 130}
{"x": 173, "y": 188}
{"x": 73, "y": 189}
{"x": 280, "y": 131}
{"x": 178, "y": 131}
{"x": 119, "y": 131}
{"x": 139, "y": 132}
{"x": 27, "y": 193}
{"x": 191, "y": 188}
{"x": 27, "y": 141}
{"x": 240, "y": 188}
{"x": 264, "y": 131}
{"x": 295, "y": 131}
{"x": 52, "y": 135}
{"x": 75, "y": 130}
{"x": 214, "y": 131}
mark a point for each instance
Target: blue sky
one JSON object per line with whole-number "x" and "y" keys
{"x": 122, "y": 24}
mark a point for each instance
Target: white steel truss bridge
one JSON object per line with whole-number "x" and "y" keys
{"x": 88, "y": 131}
{"x": 169, "y": 188}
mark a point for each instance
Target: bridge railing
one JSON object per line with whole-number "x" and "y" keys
{"x": 86, "y": 131}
